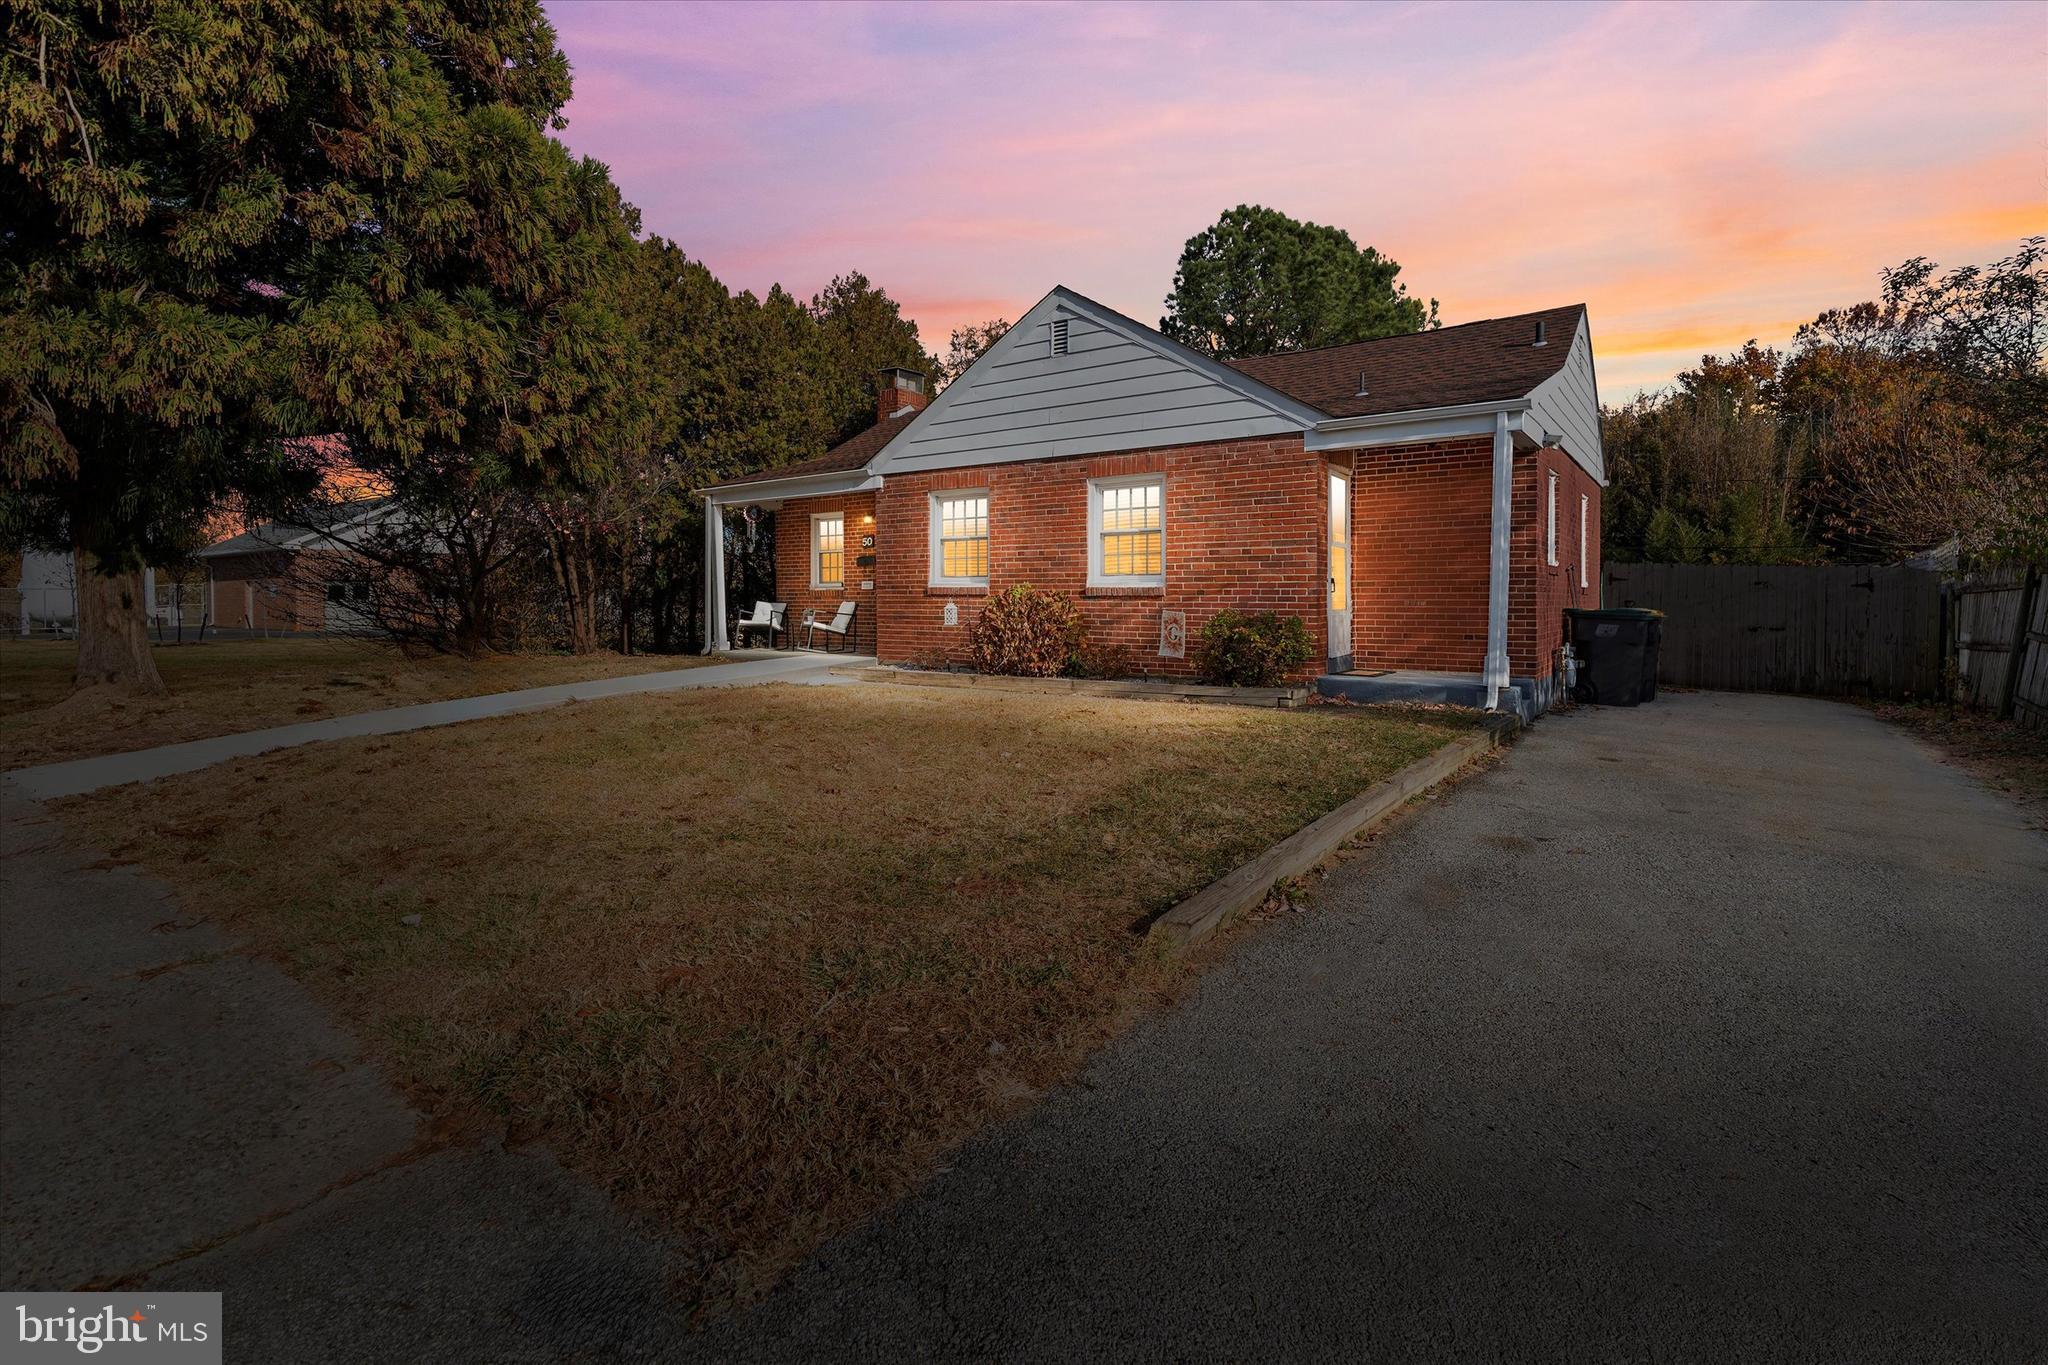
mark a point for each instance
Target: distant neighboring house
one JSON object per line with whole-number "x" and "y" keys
{"x": 288, "y": 577}
{"x": 1427, "y": 504}
{"x": 43, "y": 598}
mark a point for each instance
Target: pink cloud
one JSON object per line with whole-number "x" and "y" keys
{"x": 1697, "y": 174}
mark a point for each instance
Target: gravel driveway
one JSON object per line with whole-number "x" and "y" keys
{"x": 1712, "y": 1030}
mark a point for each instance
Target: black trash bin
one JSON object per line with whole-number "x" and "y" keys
{"x": 1617, "y": 652}
{"x": 1651, "y": 647}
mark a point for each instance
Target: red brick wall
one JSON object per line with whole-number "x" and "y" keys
{"x": 1421, "y": 526}
{"x": 266, "y": 592}
{"x": 793, "y": 568}
{"x": 1538, "y": 591}
{"x": 1244, "y": 528}
{"x": 1421, "y": 518}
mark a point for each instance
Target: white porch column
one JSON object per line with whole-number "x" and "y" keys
{"x": 1497, "y": 568}
{"x": 714, "y": 577}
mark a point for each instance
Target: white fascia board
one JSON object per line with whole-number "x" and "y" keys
{"x": 803, "y": 486}
{"x": 1423, "y": 424}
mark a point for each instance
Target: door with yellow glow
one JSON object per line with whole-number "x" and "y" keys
{"x": 1340, "y": 570}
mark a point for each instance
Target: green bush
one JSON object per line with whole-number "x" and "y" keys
{"x": 1247, "y": 649}
{"x": 1025, "y": 633}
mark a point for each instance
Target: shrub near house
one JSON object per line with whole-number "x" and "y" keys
{"x": 1242, "y": 649}
{"x": 1025, "y": 633}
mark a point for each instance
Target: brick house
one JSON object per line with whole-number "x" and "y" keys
{"x": 1427, "y": 504}
{"x": 279, "y": 577}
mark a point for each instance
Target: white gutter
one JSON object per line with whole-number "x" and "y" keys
{"x": 1497, "y": 565}
{"x": 856, "y": 480}
{"x": 1388, "y": 419}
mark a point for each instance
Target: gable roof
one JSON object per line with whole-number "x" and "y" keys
{"x": 849, "y": 454}
{"x": 1475, "y": 362}
{"x": 289, "y": 535}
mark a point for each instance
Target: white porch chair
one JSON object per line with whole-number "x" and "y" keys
{"x": 841, "y": 625}
{"x": 768, "y": 616}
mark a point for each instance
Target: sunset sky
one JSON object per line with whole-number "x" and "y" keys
{"x": 1697, "y": 174}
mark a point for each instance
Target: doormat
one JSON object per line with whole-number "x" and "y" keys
{"x": 1365, "y": 672}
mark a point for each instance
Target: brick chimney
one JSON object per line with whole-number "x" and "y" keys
{"x": 897, "y": 390}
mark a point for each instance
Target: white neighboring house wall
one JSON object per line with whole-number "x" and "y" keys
{"x": 49, "y": 593}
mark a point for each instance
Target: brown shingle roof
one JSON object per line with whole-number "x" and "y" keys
{"x": 851, "y": 453}
{"x": 1474, "y": 362}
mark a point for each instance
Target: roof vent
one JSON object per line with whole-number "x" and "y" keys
{"x": 1059, "y": 336}
{"x": 1540, "y": 340}
{"x": 1361, "y": 385}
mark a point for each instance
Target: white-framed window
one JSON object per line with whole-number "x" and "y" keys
{"x": 1585, "y": 515}
{"x": 1550, "y": 528}
{"x": 1127, "y": 532}
{"x": 828, "y": 549}
{"x": 959, "y": 538}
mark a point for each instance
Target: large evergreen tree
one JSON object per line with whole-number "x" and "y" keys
{"x": 226, "y": 225}
{"x": 863, "y": 332}
{"x": 1257, "y": 281}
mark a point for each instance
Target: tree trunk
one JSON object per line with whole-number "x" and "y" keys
{"x": 113, "y": 629}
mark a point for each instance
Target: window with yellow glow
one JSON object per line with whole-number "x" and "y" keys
{"x": 828, "y": 551}
{"x": 1128, "y": 519}
{"x": 960, "y": 538}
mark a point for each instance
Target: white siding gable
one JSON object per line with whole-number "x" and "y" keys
{"x": 1568, "y": 403}
{"x": 1119, "y": 386}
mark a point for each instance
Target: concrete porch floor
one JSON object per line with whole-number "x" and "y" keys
{"x": 1416, "y": 685}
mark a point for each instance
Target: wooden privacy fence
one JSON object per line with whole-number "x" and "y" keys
{"x": 1831, "y": 630}
{"x": 2001, "y": 644}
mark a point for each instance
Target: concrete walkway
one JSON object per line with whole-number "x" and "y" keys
{"x": 113, "y": 770}
{"x": 1715, "y": 1030}
{"x": 180, "y": 1115}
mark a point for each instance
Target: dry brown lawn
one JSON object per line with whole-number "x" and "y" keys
{"x": 750, "y": 959}
{"x": 220, "y": 687}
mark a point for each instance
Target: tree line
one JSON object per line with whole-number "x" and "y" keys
{"x": 232, "y": 234}
{"x": 1913, "y": 423}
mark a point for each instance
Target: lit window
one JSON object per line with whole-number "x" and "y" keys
{"x": 828, "y": 550}
{"x": 960, "y": 539}
{"x": 1550, "y": 531}
{"x": 1585, "y": 515}
{"x": 1127, "y": 532}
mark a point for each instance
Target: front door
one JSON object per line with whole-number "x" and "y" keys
{"x": 1340, "y": 570}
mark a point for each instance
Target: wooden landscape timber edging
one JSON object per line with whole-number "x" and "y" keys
{"x": 1201, "y": 914}
{"x": 1140, "y": 690}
